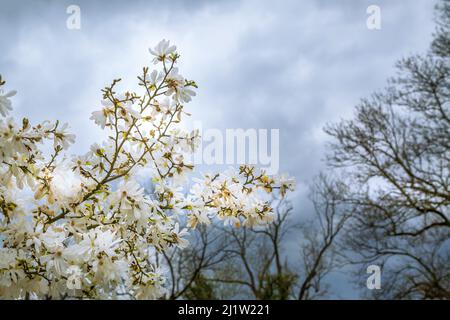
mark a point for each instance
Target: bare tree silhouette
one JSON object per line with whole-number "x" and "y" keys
{"x": 396, "y": 150}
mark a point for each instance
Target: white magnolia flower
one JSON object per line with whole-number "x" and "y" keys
{"x": 162, "y": 51}
{"x": 53, "y": 238}
{"x": 74, "y": 278}
{"x": 106, "y": 242}
{"x": 94, "y": 242}
{"x": 101, "y": 117}
{"x": 62, "y": 138}
{"x": 164, "y": 106}
{"x": 5, "y": 103}
{"x": 128, "y": 193}
{"x": 179, "y": 235}
{"x": 184, "y": 94}
{"x": 127, "y": 111}
{"x": 286, "y": 183}
{"x": 65, "y": 185}
{"x": 108, "y": 270}
{"x": 153, "y": 286}
{"x": 36, "y": 285}
{"x": 155, "y": 77}
{"x": 287, "y": 180}
{"x": 198, "y": 217}
{"x": 55, "y": 261}
{"x": 7, "y": 258}
{"x": 177, "y": 87}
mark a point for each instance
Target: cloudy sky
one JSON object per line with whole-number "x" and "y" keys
{"x": 292, "y": 65}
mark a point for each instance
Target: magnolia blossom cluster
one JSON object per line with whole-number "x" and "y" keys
{"x": 83, "y": 227}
